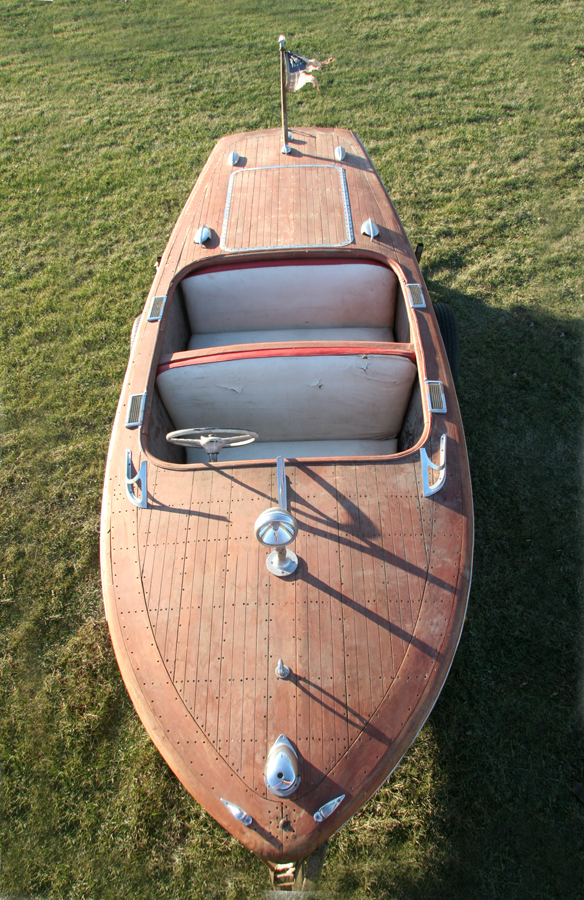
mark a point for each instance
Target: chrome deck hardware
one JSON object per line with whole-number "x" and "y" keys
{"x": 135, "y": 413}
{"x": 233, "y": 158}
{"x": 239, "y": 813}
{"x": 277, "y": 528}
{"x": 327, "y": 809}
{"x": 415, "y": 296}
{"x": 436, "y": 398}
{"x": 202, "y": 234}
{"x": 340, "y": 153}
{"x": 157, "y": 308}
{"x": 282, "y": 671}
{"x": 370, "y": 229}
{"x": 139, "y": 477}
{"x": 427, "y": 464}
{"x": 282, "y": 775}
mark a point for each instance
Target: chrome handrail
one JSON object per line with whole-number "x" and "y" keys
{"x": 427, "y": 464}
{"x": 139, "y": 478}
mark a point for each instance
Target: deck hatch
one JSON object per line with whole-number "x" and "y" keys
{"x": 287, "y": 207}
{"x": 157, "y": 308}
{"x": 135, "y": 414}
{"x": 436, "y": 398}
{"x": 415, "y": 296}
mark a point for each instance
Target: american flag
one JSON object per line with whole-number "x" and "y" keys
{"x": 298, "y": 69}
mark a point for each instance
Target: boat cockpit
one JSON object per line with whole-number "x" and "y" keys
{"x": 314, "y": 356}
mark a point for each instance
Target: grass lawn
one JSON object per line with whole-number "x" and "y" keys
{"x": 473, "y": 113}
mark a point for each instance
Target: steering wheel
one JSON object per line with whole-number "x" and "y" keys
{"x": 213, "y": 440}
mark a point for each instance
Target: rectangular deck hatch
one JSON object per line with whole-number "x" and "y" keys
{"x": 287, "y": 207}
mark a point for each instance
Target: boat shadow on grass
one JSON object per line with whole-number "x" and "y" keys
{"x": 489, "y": 784}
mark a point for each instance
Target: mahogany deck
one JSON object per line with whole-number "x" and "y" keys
{"x": 370, "y": 621}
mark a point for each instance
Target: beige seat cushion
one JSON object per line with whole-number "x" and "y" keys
{"x": 336, "y": 295}
{"x": 292, "y": 398}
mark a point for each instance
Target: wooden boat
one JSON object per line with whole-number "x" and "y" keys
{"x": 289, "y": 303}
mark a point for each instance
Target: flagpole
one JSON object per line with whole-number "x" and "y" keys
{"x": 282, "y": 43}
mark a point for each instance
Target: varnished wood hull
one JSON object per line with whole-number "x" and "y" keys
{"x": 370, "y": 621}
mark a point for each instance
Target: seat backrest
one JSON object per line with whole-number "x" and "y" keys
{"x": 253, "y": 297}
{"x": 340, "y": 395}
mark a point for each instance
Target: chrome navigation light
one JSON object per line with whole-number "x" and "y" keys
{"x": 282, "y": 775}
{"x": 340, "y": 153}
{"x": 370, "y": 229}
{"x": 239, "y": 813}
{"x": 233, "y": 158}
{"x": 202, "y": 234}
{"x": 277, "y": 528}
{"x": 328, "y": 809}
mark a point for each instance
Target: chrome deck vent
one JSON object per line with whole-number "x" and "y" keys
{"x": 415, "y": 296}
{"x": 135, "y": 414}
{"x": 157, "y": 308}
{"x": 436, "y": 398}
{"x": 282, "y": 775}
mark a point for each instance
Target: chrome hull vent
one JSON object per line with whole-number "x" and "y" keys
{"x": 415, "y": 296}
{"x": 436, "y": 398}
{"x": 157, "y": 308}
{"x": 135, "y": 412}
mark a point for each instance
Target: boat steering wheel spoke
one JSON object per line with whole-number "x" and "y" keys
{"x": 212, "y": 440}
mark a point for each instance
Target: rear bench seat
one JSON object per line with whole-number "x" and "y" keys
{"x": 311, "y": 401}
{"x": 290, "y": 301}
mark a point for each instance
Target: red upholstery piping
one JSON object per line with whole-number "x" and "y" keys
{"x": 194, "y": 357}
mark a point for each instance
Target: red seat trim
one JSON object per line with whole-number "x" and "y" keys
{"x": 196, "y": 357}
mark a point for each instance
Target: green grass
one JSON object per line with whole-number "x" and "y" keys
{"x": 473, "y": 113}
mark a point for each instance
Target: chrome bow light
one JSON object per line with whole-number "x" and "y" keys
{"x": 277, "y": 528}
{"x": 327, "y": 809}
{"x": 239, "y": 813}
{"x": 282, "y": 775}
